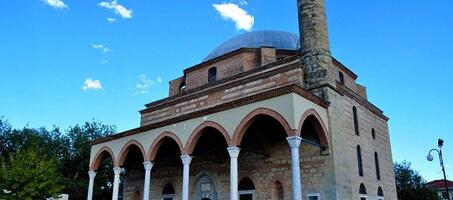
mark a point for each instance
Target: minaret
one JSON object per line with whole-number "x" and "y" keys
{"x": 315, "y": 50}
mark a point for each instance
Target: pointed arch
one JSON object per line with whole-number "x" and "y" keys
{"x": 362, "y": 189}
{"x": 99, "y": 157}
{"x": 246, "y": 184}
{"x": 319, "y": 125}
{"x": 277, "y": 191}
{"x": 196, "y": 134}
{"x": 152, "y": 152}
{"x": 126, "y": 148}
{"x": 380, "y": 192}
{"x": 248, "y": 120}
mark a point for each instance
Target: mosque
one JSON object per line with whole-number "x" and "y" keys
{"x": 267, "y": 115}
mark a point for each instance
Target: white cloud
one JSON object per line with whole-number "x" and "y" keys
{"x": 91, "y": 84}
{"x": 101, "y": 47}
{"x": 233, "y": 12}
{"x": 111, "y": 20}
{"x": 118, "y": 8}
{"x": 56, "y": 4}
{"x": 144, "y": 84}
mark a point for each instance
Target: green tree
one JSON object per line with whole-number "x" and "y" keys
{"x": 29, "y": 176}
{"x": 70, "y": 151}
{"x": 75, "y": 166}
{"x": 410, "y": 185}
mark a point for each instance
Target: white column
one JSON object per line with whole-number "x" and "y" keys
{"x": 116, "y": 183}
{"x": 92, "y": 174}
{"x": 186, "y": 159}
{"x": 294, "y": 143}
{"x": 148, "y": 166}
{"x": 234, "y": 154}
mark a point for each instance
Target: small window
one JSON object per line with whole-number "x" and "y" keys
{"x": 277, "y": 191}
{"x": 212, "y": 75}
{"x": 246, "y": 189}
{"x": 380, "y": 194}
{"x": 362, "y": 192}
{"x": 376, "y": 162}
{"x": 356, "y": 121}
{"x": 359, "y": 160}
{"x": 182, "y": 87}
{"x": 168, "y": 193}
{"x": 137, "y": 195}
{"x": 313, "y": 196}
{"x": 341, "y": 76}
{"x": 373, "y": 133}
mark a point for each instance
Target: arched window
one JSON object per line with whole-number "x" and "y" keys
{"x": 362, "y": 192}
{"x": 212, "y": 75}
{"x": 169, "y": 192}
{"x": 359, "y": 160}
{"x": 277, "y": 191}
{"x": 380, "y": 194}
{"x": 356, "y": 121}
{"x": 182, "y": 87}
{"x": 376, "y": 162}
{"x": 246, "y": 189}
{"x": 137, "y": 195}
{"x": 373, "y": 133}
{"x": 341, "y": 76}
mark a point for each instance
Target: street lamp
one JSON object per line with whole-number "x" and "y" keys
{"x": 430, "y": 157}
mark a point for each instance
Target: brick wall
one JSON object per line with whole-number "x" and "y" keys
{"x": 221, "y": 96}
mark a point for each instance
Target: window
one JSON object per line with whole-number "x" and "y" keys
{"x": 182, "y": 87}
{"x": 359, "y": 160}
{"x": 212, "y": 75}
{"x": 341, "y": 76}
{"x": 246, "y": 189}
{"x": 376, "y": 163}
{"x": 277, "y": 191}
{"x": 373, "y": 133}
{"x": 380, "y": 194}
{"x": 137, "y": 195}
{"x": 362, "y": 192}
{"x": 168, "y": 193}
{"x": 356, "y": 122}
{"x": 313, "y": 196}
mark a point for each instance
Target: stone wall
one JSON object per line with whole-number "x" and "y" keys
{"x": 345, "y": 154}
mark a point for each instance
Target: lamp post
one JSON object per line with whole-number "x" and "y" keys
{"x": 441, "y": 160}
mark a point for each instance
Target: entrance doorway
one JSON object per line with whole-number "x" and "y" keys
{"x": 246, "y": 190}
{"x": 205, "y": 188}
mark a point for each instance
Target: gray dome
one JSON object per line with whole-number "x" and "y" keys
{"x": 256, "y": 39}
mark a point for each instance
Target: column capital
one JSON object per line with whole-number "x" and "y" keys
{"x": 294, "y": 141}
{"x": 186, "y": 159}
{"x": 92, "y": 174}
{"x": 117, "y": 170}
{"x": 148, "y": 165}
{"x": 234, "y": 151}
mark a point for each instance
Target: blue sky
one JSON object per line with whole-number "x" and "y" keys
{"x": 66, "y": 62}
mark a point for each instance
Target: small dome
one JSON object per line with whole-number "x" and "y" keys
{"x": 256, "y": 39}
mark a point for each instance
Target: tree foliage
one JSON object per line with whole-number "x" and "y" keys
{"x": 67, "y": 151}
{"x": 26, "y": 175}
{"x": 410, "y": 185}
